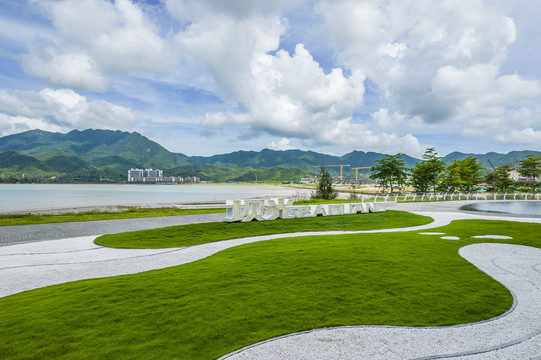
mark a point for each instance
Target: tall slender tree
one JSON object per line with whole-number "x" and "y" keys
{"x": 427, "y": 174}
{"x": 463, "y": 175}
{"x": 390, "y": 170}
{"x": 325, "y": 189}
{"x": 530, "y": 167}
{"x": 500, "y": 178}
{"x": 471, "y": 173}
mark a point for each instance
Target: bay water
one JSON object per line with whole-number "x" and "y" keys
{"x": 36, "y": 197}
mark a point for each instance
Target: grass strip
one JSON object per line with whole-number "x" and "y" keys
{"x": 194, "y": 234}
{"x": 28, "y": 219}
{"x": 261, "y": 290}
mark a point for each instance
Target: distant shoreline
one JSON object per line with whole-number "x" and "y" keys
{"x": 54, "y": 207}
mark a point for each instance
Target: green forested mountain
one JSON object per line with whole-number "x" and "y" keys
{"x": 245, "y": 174}
{"x": 52, "y": 167}
{"x": 18, "y": 161}
{"x": 96, "y": 146}
{"x": 305, "y": 160}
{"x": 110, "y": 154}
{"x": 495, "y": 158}
{"x": 64, "y": 162}
{"x": 266, "y": 158}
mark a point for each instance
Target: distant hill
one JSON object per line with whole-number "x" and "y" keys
{"x": 64, "y": 162}
{"x": 52, "y": 167}
{"x": 98, "y": 154}
{"x": 496, "y": 158}
{"x": 96, "y": 146}
{"x": 266, "y": 158}
{"x": 240, "y": 174}
{"x": 305, "y": 160}
{"x": 18, "y": 161}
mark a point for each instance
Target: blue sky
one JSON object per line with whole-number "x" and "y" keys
{"x": 214, "y": 76}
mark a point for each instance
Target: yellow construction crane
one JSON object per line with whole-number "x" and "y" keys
{"x": 357, "y": 170}
{"x": 341, "y": 167}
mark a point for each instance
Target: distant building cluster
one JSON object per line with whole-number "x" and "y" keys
{"x": 517, "y": 176}
{"x": 156, "y": 176}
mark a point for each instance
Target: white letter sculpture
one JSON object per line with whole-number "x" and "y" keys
{"x": 263, "y": 210}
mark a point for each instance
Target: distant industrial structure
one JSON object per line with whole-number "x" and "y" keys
{"x": 156, "y": 176}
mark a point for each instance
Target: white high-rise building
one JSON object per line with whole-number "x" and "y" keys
{"x": 147, "y": 175}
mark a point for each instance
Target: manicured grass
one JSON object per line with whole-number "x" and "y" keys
{"x": 194, "y": 234}
{"x": 257, "y": 291}
{"x": 27, "y": 219}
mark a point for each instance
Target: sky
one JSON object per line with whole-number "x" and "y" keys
{"x": 209, "y": 77}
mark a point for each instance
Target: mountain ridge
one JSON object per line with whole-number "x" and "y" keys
{"x": 117, "y": 151}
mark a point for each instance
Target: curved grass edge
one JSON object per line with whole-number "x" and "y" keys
{"x": 120, "y": 306}
{"x": 196, "y": 234}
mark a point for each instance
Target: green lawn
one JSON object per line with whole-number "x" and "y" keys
{"x": 257, "y": 291}
{"x": 194, "y": 234}
{"x": 27, "y": 219}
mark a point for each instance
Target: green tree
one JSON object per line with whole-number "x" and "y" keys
{"x": 390, "y": 170}
{"x": 325, "y": 189}
{"x": 499, "y": 178}
{"x": 471, "y": 173}
{"x": 427, "y": 174}
{"x": 463, "y": 175}
{"x": 530, "y": 167}
{"x": 451, "y": 180}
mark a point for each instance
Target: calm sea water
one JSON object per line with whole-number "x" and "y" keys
{"x": 32, "y": 197}
{"x": 507, "y": 207}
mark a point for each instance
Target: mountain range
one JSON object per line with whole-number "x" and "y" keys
{"x": 110, "y": 154}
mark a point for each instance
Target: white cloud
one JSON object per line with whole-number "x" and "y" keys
{"x": 72, "y": 69}
{"x": 188, "y": 10}
{"x": 57, "y": 110}
{"x": 97, "y": 39}
{"x": 282, "y": 144}
{"x": 435, "y": 61}
{"x": 290, "y": 95}
{"x": 428, "y": 57}
{"x": 523, "y": 137}
{"x": 396, "y": 121}
{"x": 275, "y": 92}
{"x": 16, "y": 124}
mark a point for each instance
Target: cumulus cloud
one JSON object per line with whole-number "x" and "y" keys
{"x": 72, "y": 69}
{"x": 290, "y": 95}
{"x": 17, "y": 124}
{"x": 56, "y": 110}
{"x": 435, "y": 61}
{"x": 188, "y": 10}
{"x": 283, "y": 94}
{"x": 282, "y": 144}
{"x": 525, "y": 137}
{"x": 97, "y": 39}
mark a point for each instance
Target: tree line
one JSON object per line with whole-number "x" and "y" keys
{"x": 432, "y": 174}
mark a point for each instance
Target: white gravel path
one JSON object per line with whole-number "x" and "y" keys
{"x": 516, "y": 335}
{"x": 38, "y": 264}
{"x": 34, "y": 265}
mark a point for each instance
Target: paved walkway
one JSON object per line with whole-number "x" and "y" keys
{"x": 10, "y": 235}
{"x": 38, "y": 264}
{"x": 516, "y": 335}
